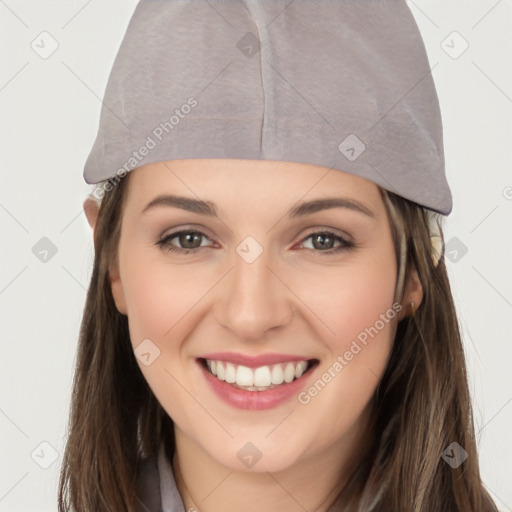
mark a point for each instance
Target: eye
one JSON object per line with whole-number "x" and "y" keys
{"x": 323, "y": 242}
{"x": 190, "y": 241}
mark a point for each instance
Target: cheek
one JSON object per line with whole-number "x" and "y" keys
{"x": 352, "y": 297}
{"x": 356, "y": 304}
{"x": 364, "y": 303}
{"x": 158, "y": 296}
{"x": 161, "y": 306}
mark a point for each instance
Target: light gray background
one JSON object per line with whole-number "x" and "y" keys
{"x": 49, "y": 110}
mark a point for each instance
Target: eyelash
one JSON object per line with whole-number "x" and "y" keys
{"x": 346, "y": 245}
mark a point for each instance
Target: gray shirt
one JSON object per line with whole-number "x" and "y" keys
{"x": 156, "y": 485}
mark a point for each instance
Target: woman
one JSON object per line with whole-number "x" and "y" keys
{"x": 269, "y": 324}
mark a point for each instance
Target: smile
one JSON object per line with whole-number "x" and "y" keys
{"x": 248, "y": 383}
{"x": 261, "y": 378}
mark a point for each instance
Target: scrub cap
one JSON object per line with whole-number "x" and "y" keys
{"x": 344, "y": 84}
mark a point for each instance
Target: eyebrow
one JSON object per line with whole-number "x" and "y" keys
{"x": 302, "y": 209}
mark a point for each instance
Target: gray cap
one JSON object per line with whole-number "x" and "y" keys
{"x": 344, "y": 84}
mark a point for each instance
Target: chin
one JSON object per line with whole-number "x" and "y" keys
{"x": 255, "y": 457}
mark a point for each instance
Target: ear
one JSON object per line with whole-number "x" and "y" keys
{"x": 413, "y": 293}
{"x": 116, "y": 286}
{"x": 91, "y": 208}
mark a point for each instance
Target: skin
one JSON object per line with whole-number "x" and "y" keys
{"x": 295, "y": 298}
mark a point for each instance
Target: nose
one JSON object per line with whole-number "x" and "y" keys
{"x": 254, "y": 299}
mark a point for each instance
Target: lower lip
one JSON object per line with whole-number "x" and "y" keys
{"x": 254, "y": 400}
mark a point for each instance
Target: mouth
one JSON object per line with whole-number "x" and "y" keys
{"x": 261, "y": 378}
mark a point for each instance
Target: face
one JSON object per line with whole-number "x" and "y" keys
{"x": 287, "y": 299}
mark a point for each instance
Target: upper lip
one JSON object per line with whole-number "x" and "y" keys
{"x": 253, "y": 361}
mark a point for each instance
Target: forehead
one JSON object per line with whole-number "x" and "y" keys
{"x": 229, "y": 179}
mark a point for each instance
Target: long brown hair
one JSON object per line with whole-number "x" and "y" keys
{"x": 421, "y": 405}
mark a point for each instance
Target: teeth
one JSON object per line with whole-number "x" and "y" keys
{"x": 262, "y": 377}
{"x": 289, "y": 372}
{"x": 277, "y": 374}
{"x": 244, "y": 376}
{"x": 230, "y": 373}
{"x": 257, "y": 379}
{"x": 220, "y": 371}
{"x": 213, "y": 367}
{"x": 300, "y": 368}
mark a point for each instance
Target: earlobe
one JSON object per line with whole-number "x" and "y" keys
{"x": 413, "y": 295}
